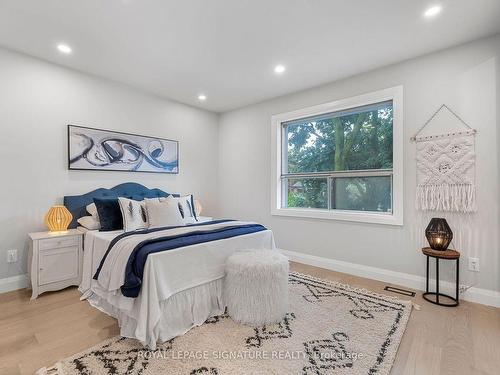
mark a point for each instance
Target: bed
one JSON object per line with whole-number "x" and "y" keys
{"x": 178, "y": 288}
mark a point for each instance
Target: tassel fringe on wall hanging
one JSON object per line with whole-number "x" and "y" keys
{"x": 446, "y": 169}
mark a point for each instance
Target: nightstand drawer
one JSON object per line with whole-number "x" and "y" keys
{"x": 58, "y": 265}
{"x": 55, "y": 243}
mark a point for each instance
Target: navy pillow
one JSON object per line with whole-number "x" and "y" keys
{"x": 110, "y": 215}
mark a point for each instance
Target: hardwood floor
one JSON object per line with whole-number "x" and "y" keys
{"x": 438, "y": 340}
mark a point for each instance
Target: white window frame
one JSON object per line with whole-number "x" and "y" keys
{"x": 396, "y": 216}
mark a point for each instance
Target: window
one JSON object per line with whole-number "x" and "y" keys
{"x": 341, "y": 160}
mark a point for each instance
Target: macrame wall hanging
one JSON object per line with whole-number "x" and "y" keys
{"x": 446, "y": 169}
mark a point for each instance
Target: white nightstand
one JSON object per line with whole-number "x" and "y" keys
{"x": 202, "y": 219}
{"x": 55, "y": 260}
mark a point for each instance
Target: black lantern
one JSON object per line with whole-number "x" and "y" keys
{"x": 438, "y": 234}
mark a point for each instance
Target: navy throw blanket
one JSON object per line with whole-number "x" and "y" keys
{"x": 135, "y": 266}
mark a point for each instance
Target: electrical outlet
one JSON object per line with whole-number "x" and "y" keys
{"x": 474, "y": 264}
{"x": 12, "y": 256}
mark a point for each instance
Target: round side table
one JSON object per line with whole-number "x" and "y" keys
{"x": 440, "y": 254}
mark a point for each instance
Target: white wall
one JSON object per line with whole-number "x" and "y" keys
{"x": 38, "y": 100}
{"x": 465, "y": 78}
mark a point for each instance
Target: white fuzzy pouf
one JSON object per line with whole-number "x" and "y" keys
{"x": 256, "y": 286}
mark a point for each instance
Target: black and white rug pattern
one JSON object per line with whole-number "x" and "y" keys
{"x": 330, "y": 328}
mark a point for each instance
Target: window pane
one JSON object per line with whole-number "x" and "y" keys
{"x": 305, "y": 193}
{"x": 355, "y": 139}
{"x": 362, "y": 193}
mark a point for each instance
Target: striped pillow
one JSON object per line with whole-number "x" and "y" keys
{"x": 134, "y": 214}
{"x": 186, "y": 207}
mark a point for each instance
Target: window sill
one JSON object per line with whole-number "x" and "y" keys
{"x": 355, "y": 216}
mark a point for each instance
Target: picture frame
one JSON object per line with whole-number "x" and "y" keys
{"x": 108, "y": 150}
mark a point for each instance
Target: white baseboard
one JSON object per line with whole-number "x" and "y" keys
{"x": 483, "y": 296}
{"x": 12, "y": 283}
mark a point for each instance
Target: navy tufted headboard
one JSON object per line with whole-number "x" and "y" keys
{"x": 76, "y": 204}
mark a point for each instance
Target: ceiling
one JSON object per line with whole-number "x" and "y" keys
{"x": 227, "y": 49}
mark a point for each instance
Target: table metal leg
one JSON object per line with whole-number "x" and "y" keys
{"x": 427, "y": 276}
{"x": 435, "y": 297}
{"x": 437, "y": 280}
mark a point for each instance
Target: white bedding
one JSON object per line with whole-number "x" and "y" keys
{"x": 95, "y": 244}
{"x": 181, "y": 287}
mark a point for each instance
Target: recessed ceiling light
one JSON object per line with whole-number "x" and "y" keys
{"x": 202, "y": 97}
{"x": 278, "y": 69}
{"x": 64, "y": 48}
{"x": 433, "y": 11}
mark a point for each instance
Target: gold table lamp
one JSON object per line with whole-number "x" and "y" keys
{"x": 58, "y": 218}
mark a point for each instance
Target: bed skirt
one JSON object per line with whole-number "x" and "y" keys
{"x": 178, "y": 313}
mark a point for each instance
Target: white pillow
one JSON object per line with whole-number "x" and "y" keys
{"x": 89, "y": 222}
{"x": 163, "y": 213}
{"x": 186, "y": 209}
{"x": 134, "y": 214}
{"x": 92, "y": 210}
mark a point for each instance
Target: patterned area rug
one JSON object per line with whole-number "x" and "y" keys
{"x": 330, "y": 329}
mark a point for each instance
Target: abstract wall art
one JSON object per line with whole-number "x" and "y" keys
{"x": 97, "y": 149}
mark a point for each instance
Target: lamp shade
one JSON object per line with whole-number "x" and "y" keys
{"x": 58, "y": 218}
{"x": 438, "y": 234}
